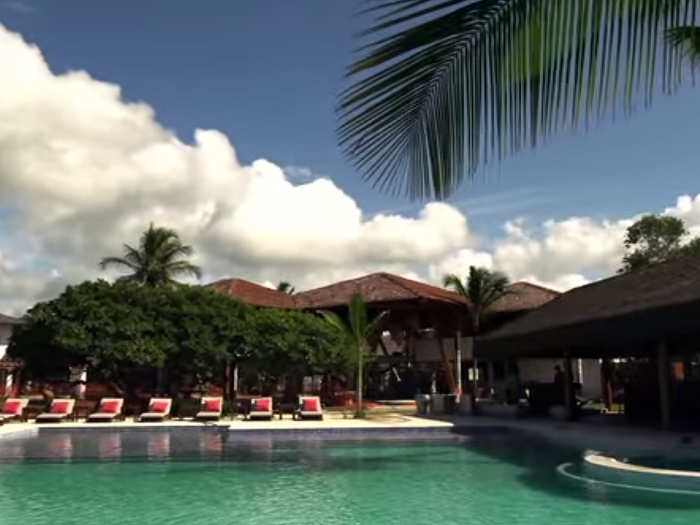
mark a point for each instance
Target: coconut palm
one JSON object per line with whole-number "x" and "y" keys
{"x": 482, "y": 288}
{"x": 447, "y": 86}
{"x": 285, "y": 287}
{"x": 359, "y": 331}
{"x": 157, "y": 260}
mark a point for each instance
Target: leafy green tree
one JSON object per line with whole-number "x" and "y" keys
{"x": 115, "y": 327}
{"x": 157, "y": 260}
{"x": 654, "y": 239}
{"x": 288, "y": 343}
{"x": 448, "y": 86}
{"x": 359, "y": 332}
{"x": 482, "y": 288}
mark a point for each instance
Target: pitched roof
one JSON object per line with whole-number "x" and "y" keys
{"x": 6, "y": 319}
{"x": 672, "y": 287}
{"x": 375, "y": 288}
{"x": 253, "y": 294}
{"x": 524, "y": 296}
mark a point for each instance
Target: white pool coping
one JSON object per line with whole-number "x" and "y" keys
{"x": 600, "y": 460}
{"x": 387, "y": 422}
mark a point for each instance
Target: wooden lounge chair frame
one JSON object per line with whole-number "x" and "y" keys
{"x": 51, "y": 417}
{"x": 256, "y": 414}
{"x": 106, "y": 417}
{"x": 302, "y": 414}
{"x": 153, "y": 417}
{"x": 19, "y": 416}
{"x": 203, "y": 415}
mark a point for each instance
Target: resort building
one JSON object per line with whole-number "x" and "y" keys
{"x": 643, "y": 327}
{"x": 427, "y": 345}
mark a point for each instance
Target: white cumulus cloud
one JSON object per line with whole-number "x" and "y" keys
{"x": 83, "y": 171}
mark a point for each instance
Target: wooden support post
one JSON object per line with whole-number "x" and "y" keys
{"x": 458, "y": 358}
{"x": 569, "y": 394}
{"x": 664, "y": 384}
{"x": 446, "y": 363}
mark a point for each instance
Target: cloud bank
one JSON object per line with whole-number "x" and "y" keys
{"x": 83, "y": 171}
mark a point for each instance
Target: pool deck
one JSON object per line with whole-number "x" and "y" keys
{"x": 614, "y": 439}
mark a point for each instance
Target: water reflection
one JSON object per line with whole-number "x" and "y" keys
{"x": 110, "y": 446}
{"x": 211, "y": 444}
{"x": 59, "y": 446}
{"x": 158, "y": 446}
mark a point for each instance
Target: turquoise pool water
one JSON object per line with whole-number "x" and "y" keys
{"x": 206, "y": 478}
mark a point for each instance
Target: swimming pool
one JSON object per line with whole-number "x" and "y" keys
{"x": 205, "y": 477}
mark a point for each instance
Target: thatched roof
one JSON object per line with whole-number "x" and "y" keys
{"x": 6, "y": 319}
{"x": 253, "y": 294}
{"x": 524, "y": 296}
{"x": 376, "y": 288}
{"x": 624, "y": 313}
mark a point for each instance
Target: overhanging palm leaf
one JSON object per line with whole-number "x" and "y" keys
{"x": 450, "y": 85}
{"x": 687, "y": 39}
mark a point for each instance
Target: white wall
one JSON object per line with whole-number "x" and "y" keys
{"x": 5, "y": 333}
{"x": 586, "y": 372}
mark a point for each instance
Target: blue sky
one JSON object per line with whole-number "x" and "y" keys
{"x": 267, "y": 74}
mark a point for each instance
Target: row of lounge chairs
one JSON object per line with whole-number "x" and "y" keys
{"x": 111, "y": 409}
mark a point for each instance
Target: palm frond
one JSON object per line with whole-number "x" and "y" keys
{"x": 116, "y": 261}
{"x": 448, "y": 86}
{"x": 453, "y": 282}
{"x": 687, "y": 39}
{"x": 183, "y": 268}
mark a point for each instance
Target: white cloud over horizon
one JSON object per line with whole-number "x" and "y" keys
{"x": 84, "y": 171}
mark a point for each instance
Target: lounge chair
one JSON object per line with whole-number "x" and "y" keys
{"x": 210, "y": 409}
{"x": 13, "y": 409}
{"x": 110, "y": 409}
{"x": 260, "y": 408}
{"x": 158, "y": 409}
{"x": 60, "y": 410}
{"x": 309, "y": 408}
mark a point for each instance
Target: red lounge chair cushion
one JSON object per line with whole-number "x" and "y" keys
{"x": 110, "y": 407}
{"x": 159, "y": 406}
{"x": 212, "y": 405}
{"x": 60, "y": 407}
{"x": 11, "y": 407}
{"x": 261, "y": 405}
{"x": 310, "y": 405}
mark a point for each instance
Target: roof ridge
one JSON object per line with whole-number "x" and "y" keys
{"x": 535, "y": 285}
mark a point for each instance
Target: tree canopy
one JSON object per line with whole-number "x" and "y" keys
{"x": 188, "y": 330}
{"x": 654, "y": 239}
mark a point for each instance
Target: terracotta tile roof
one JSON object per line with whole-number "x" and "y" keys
{"x": 253, "y": 294}
{"x": 375, "y": 288}
{"x": 6, "y": 319}
{"x": 525, "y": 296}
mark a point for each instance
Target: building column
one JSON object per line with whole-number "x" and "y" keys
{"x": 458, "y": 358}
{"x": 569, "y": 394}
{"x": 664, "y": 384}
{"x": 490, "y": 376}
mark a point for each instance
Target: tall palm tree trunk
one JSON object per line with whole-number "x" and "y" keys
{"x": 359, "y": 410}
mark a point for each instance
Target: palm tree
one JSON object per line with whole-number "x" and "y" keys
{"x": 447, "y": 86}
{"x": 157, "y": 260}
{"x": 285, "y": 287}
{"x": 359, "y": 331}
{"x": 482, "y": 288}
